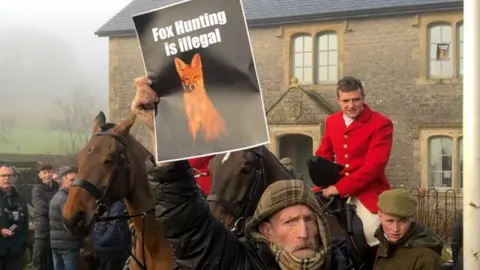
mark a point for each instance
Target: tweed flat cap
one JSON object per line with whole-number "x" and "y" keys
{"x": 280, "y": 195}
{"x": 398, "y": 203}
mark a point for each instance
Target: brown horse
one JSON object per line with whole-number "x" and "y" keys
{"x": 112, "y": 166}
{"x": 238, "y": 181}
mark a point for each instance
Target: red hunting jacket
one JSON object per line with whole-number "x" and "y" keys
{"x": 364, "y": 149}
{"x": 201, "y": 164}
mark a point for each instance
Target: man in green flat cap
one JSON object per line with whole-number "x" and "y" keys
{"x": 404, "y": 244}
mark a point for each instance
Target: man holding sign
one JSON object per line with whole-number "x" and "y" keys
{"x": 288, "y": 230}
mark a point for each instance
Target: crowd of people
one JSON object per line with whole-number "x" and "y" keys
{"x": 54, "y": 247}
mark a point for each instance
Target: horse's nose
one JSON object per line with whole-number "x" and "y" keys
{"x": 77, "y": 223}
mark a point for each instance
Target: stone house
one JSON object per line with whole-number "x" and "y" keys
{"x": 408, "y": 53}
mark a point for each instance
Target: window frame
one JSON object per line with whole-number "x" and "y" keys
{"x": 424, "y": 21}
{"x": 289, "y": 32}
{"x": 426, "y": 134}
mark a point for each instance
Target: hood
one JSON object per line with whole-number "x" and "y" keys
{"x": 417, "y": 236}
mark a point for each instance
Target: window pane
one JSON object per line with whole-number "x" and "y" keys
{"x": 307, "y": 59}
{"x": 307, "y": 75}
{"x": 323, "y": 73}
{"x": 332, "y": 58}
{"x": 332, "y": 41}
{"x": 298, "y": 72}
{"x": 323, "y": 43}
{"x": 435, "y": 68}
{"x": 447, "y": 68}
{"x": 302, "y": 59}
{"x": 446, "y": 34}
{"x": 435, "y": 34}
{"x": 298, "y": 44}
{"x": 323, "y": 58}
{"x": 332, "y": 73}
{"x": 307, "y": 44}
{"x": 440, "y": 34}
{"x": 433, "y": 51}
{"x": 298, "y": 60}
{"x": 327, "y": 57}
{"x": 440, "y": 149}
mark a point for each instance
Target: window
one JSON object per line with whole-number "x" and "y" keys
{"x": 460, "y": 49}
{"x": 302, "y": 59}
{"x": 327, "y": 57}
{"x": 440, "y": 162}
{"x": 315, "y": 60}
{"x": 441, "y": 62}
{"x": 443, "y": 151}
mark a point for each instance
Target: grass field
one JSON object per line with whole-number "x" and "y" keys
{"x": 35, "y": 140}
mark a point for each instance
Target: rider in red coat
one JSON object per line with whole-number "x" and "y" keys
{"x": 200, "y": 169}
{"x": 360, "y": 139}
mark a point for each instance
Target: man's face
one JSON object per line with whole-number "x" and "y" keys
{"x": 293, "y": 229}
{"x": 6, "y": 177}
{"x": 68, "y": 180}
{"x": 393, "y": 227}
{"x": 46, "y": 176}
{"x": 351, "y": 103}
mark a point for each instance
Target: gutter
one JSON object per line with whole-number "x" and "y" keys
{"x": 343, "y": 15}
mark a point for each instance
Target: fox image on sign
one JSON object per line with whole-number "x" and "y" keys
{"x": 201, "y": 113}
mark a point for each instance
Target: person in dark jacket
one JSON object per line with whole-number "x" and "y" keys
{"x": 457, "y": 242}
{"x": 112, "y": 239}
{"x": 13, "y": 222}
{"x": 65, "y": 246}
{"x": 288, "y": 230}
{"x": 401, "y": 238}
{"x": 42, "y": 194}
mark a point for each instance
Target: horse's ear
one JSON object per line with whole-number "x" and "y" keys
{"x": 124, "y": 126}
{"x": 98, "y": 122}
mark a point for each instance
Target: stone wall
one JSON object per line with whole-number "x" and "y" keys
{"x": 387, "y": 54}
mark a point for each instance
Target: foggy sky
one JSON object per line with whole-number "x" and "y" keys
{"x": 48, "y": 49}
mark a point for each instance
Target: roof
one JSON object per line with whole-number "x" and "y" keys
{"x": 277, "y": 12}
{"x": 320, "y": 102}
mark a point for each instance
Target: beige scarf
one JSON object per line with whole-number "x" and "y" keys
{"x": 287, "y": 261}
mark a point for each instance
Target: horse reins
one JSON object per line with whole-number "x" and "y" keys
{"x": 99, "y": 195}
{"x": 247, "y": 207}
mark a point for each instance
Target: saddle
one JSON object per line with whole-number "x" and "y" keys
{"x": 323, "y": 174}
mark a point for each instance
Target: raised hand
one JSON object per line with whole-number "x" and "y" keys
{"x": 144, "y": 101}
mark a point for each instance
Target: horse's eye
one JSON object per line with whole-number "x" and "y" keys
{"x": 245, "y": 170}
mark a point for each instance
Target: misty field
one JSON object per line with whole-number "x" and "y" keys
{"x": 38, "y": 140}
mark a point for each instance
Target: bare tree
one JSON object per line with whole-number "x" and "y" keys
{"x": 74, "y": 116}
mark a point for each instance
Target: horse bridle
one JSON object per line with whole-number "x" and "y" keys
{"x": 246, "y": 208}
{"x": 121, "y": 162}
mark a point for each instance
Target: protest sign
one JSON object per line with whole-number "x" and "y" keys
{"x": 199, "y": 56}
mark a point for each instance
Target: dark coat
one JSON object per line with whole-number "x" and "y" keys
{"x": 419, "y": 249}
{"x": 41, "y": 196}
{"x": 112, "y": 235}
{"x": 457, "y": 242}
{"x": 197, "y": 238}
{"x": 60, "y": 238}
{"x": 16, "y": 244}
